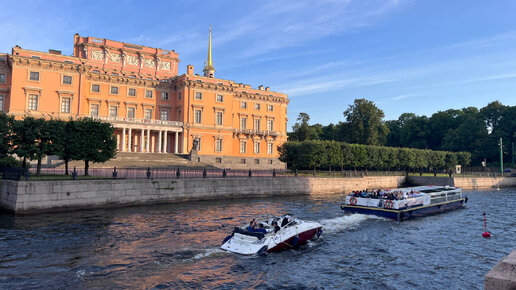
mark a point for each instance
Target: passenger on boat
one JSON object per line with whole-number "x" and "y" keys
{"x": 276, "y": 227}
{"x": 260, "y": 229}
{"x": 285, "y": 221}
{"x": 252, "y": 226}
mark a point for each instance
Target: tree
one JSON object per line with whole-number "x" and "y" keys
{"x": 97, "y": 143}
{"x": 366, "y": 123}
{"x": 5, "y": 134}
{"x": 24, "y": 138}
{"x": 302, "y": 131}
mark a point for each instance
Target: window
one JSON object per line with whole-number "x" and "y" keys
{"x": 179, "y": 96}
{"x": 33, "y": 102}
{"x": 65, "y": 105}
{"x": 197, "y": 116}
{"x": 164, "y": 115}
{"x": 164, "y": 96}
{"x": 115, "y": 74}
{"x": 113, "y": 111}
{"x": 243, "y": 105}
{"x": 198, "y": 95}
{"x": 96, "y": 71}
{"x": 94, "y": 110}
{"x": 257, "y": 161}
{"x": 67, "y": 80}
{"x": 179, "y": 115}
{"x": 131, "y": 92}
{"x": 218, "y": 145}
{"x": 219, "y": 118}
{"x": 270, "y": 147}
{"x": 95, "y": 88}
{"x": 270, "y": 125}
{"x": 242, "y": 161}
{"x": 2, "y": 78}
{"x": 113, "y": 91}
{"x": 148, "y": 94}
{"x": 199, "y": 144}
{"x": 256, "y": 147}
{"x": 243, "y": 123}
{"x": 243, "y": 146}
{"x": 34, "y": 76}
{"x": 36, "y": 57}
{"x": 257, "y": 124}
{"x": 147, "y": 114}
{"x": 270, "y": 108}
{"x": 219, "y": 98}
{"x": 131, "y": 112}
{"x": 2, "y": 102}
{"x": 257, "y": 106}
{"x": 218, "y": 160}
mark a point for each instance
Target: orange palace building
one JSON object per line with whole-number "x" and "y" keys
{"x": 153, "y": 110}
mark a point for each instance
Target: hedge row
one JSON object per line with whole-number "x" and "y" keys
{"x": 313, "y": 154}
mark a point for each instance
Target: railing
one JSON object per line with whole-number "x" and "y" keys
{"x": 137, "y": 121}
{"x": 257, "y": 132}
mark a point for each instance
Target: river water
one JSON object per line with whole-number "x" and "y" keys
{"x": 177, "y": 246}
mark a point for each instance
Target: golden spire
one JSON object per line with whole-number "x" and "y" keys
{"x": 209, "y": 70}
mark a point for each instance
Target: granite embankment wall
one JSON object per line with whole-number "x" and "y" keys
{"x": 503, "y": 275}
{"x": 43, "y": 196}
{"x": 464, "y": 182}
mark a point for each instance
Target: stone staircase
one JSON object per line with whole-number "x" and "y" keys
{"x": 144, "y": 160}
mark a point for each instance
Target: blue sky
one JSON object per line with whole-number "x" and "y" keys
{"x": 405, "y": 55}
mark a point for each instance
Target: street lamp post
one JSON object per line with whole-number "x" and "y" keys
{"x": 501, "y": 156}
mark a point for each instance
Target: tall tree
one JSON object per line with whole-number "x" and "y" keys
{"x": 302, "y": 131}
{"x": 25, "y": 138}
{"x": 366, "y": 123}
{"x": 5, "y": 134}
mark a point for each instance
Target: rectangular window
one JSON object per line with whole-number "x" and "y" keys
{"x": 179, "y": 115}
{"x": 179, "y": 96}
{"x": 243, "y": 105}
{"x": 95, "y": 88}
{"x": 243, "y": 123}
{"x": 34, "y": 76}
{"x": 148, "y": 94}
{"x": 257, "y": 106}
{"x": 131, "y": 112}
{"x": 94, "y": 110}
{"x": 197, "y": 116}
{"x": 148, "y": 114}
{"x": 256, "y": 147}
{"x": 219, "y": 118}
{"x": 270, "y": 148}
{"x": 199, "y": 144}
{"x": 33, "y": 102}
{"x": 164, "y": 115}
{"x": 218, "y": 145}
{"x": 67, "y": 80}
{"x": 257, "y": 161}
{"x": 218, "y": 160}
{"x": 113, "y": 111}
{"x": 2, "y": 102}
{"x": 220, "y": 98}
{"x": 2, "y": 78}
{"x": 257, "y": 124}
{"x": 270, "y": 108}
{"x": 114, "y": 91}
{"x": 131, "y": 92}
{"x": 164, "y": 96}
{"x": 198, "y": 95}
{"x": 243, "y": 146}
{"x": 270, "y": 125}
{"x": 65, "y": 105}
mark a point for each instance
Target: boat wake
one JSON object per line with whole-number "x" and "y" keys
{"x": 344, "y": 222}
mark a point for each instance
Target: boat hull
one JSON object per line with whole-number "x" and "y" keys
{"x": 404, "y": 214}
{"x": 297, "y": 241}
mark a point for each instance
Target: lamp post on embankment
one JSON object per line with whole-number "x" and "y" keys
{"x": 501, "y": 156}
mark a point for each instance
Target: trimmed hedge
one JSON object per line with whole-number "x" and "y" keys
{"x": 313, "y": 154}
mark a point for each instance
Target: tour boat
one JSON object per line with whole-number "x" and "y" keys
{"x": 411, "y": 202}
{"x": 292, "y": 233}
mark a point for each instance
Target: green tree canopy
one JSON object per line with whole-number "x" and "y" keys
{"x": 366, "y": 123}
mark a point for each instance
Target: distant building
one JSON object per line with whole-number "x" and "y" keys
{"x": 137, "y": 89}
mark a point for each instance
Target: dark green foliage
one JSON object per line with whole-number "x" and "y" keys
{"x": 313, "y": 154}
{"x": 5, "y": 134}
{"x": 366, "y": 123}
{"x": 9, "y": 161}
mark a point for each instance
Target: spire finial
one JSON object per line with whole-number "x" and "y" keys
{"x": 209, "y": 70}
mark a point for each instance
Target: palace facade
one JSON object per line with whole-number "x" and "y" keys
{"x": 153, "y": 110}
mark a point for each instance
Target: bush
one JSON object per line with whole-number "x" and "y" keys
{"x": 10, "y": 161}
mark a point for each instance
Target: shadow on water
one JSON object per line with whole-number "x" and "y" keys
{"x": 177, "y": 246}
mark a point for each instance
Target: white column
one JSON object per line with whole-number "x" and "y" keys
{"x": 177, "y": 143}
{"x": 148, "y": 140}
{"x": 159, "y": 141}
{"x": 141, "y": 140}
{"x": 165, "y": 137}
{"x": 130, "y": 141}
{"x": 117, "y": 142}
{"x": 123, "y": 140}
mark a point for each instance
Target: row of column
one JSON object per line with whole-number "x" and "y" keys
{"x": 161, "y": 142}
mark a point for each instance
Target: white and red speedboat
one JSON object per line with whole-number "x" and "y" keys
{"x": 273, "y": 234}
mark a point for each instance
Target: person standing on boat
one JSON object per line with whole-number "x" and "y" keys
{"x": 252, "y": 226}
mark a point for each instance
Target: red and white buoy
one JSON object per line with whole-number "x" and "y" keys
{"x": 485, "y": 234}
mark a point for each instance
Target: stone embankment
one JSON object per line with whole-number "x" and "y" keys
{"x": 503, "y": 275}
{"x": 44, "y": 196}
